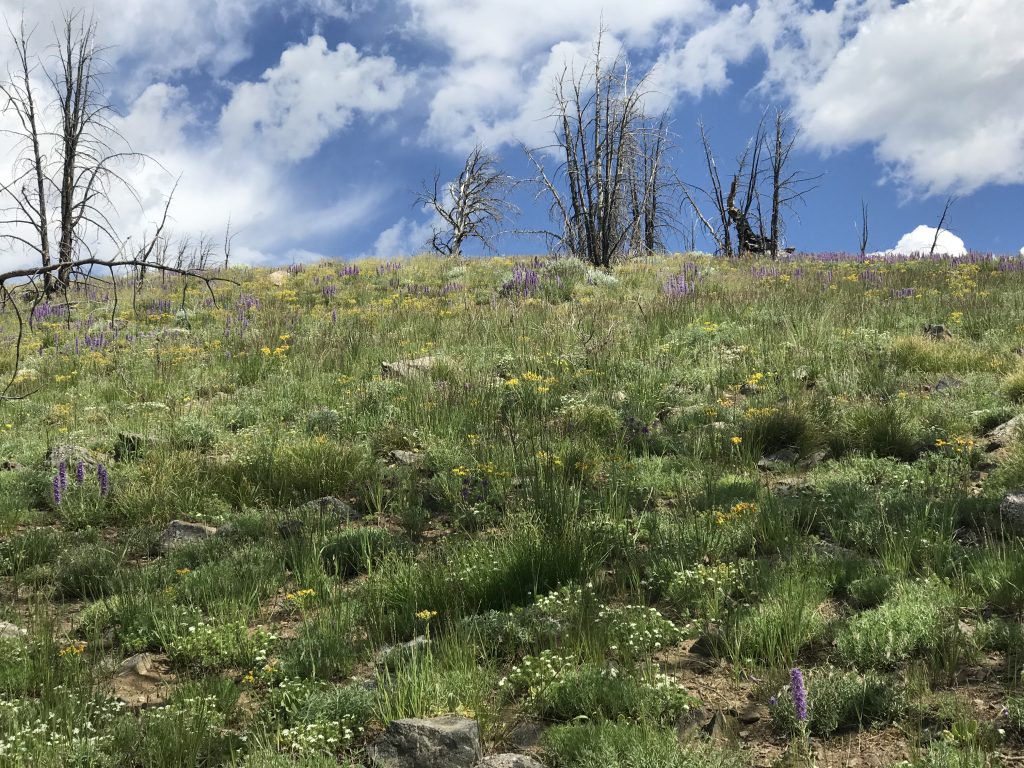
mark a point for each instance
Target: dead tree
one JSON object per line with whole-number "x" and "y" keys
{"x": 719, "y": 228}
{"x": 787, "y": 186}
{"x": 942, "y": 222}
{"x": 73, "y": 161}
{"x": 472, "y": 206}
{"x": 863, "y": 228}
{"x": 604, "y": 191}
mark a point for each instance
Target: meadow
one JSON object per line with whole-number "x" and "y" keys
{"x": 605, "y": 514}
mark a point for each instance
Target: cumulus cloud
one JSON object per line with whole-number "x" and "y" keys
{"x": 312, "y": 93}
{"x": 405, "y": 237}
{"x": 920, "y": 241}
{"x": 933, "y": 85}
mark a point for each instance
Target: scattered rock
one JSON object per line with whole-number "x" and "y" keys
{"x": 508, "y": 760}
{"x": 526, "y": 734}
{"x": 71, "y": 455}
{"x": 750, "y": 714}
{"x": 278, "y": 278}
{"x": 10, "y": 631}
{"x": 406, "y": 458}
{"x": 791, "y": 486}
{"x": 180, "y": 532}
{"x": 708, "y": 643}
{"x": 290, "y": 529}
{"x": 1004, "y": 434}
{"x": 332, "y": 506}
{"x": 404, "y": 368}
{"x": 142, "y": 680}
{"x": 722, "y": 729}
{"x": 777, "y": 460}
{"x": 392, "y": 655}
{"x": 814, "y": 458}
{"x": 437, "y": 742}
{"x": 937, "y": 332}
{"x": 1011, "y": 512}
{"x": 947, "y": 383}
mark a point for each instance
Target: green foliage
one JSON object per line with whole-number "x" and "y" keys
{"x": 840, "y": 700}
{"x": 597, "y": 745}
{"x": 909, "y": 624}
{"x": 356, "y": 550}
{"x": 86, "y": 571}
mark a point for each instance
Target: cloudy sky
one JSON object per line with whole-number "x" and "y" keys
{"x": 312, "y": 123}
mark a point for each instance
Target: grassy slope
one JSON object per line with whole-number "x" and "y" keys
{"x": 586, "y": 505}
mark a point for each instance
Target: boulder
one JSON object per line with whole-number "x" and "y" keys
{"x": 1011, "y": 512}
{"x": 129, "y": 445}
{"x": 179, "y": 532}
{"x": 392, "y": 655}
{"x": 508, "y": 760}
{"x": 142, "y": 680}
{"x": 278, "y": 278}
{"x": 1004, "y": 434}
{"x": 71, "y": 455}
{"x": 10, "y": 631}
{"x": 777, "y": 460}
{"x": 402, "y": 369}
{"x": 436, "y": 742}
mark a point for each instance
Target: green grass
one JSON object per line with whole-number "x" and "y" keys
{"x": 584, "y": 501}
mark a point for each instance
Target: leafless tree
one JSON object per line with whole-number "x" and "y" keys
{"x": 718, "y": 227}
{"x": 605, "y": 189}
{"x": 788, "y": 185}
{"x": 863, "y": 228}
{"x": 942, "y": 222}
{"x": 472, "y": 206}
{"x": 72, "y": 161}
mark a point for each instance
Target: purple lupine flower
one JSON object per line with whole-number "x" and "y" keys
{"x": 80, "y": 472}
{"x": 57, "y": 495}
{"x": 62, "y": 475}
{"x": 796, "y": 682}
{"x": 104, "y": 480}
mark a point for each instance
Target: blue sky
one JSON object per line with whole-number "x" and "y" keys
{"x": 312, "y": 123}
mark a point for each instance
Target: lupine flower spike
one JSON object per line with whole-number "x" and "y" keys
{"x": 796, "y": 681}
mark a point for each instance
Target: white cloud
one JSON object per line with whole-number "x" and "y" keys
{"x": 403, "y": 238}
{"x": 934, "y": 85}
{"x": 312, "y": 93}
{"x": 1022, "y": 251}
{"x": 920, "y": 242}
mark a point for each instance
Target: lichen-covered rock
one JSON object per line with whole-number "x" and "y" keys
{"x": 436, "y": 742}
{"x": 401, "y": 369}
{"x": 142, "y": 680}
{"x": 331, "y": 506}
{"x": 10, "y": 631}
{"x": 1004, "y": 434}
{"x": 1011, "y": 512}
{"x": 179, "y": 532}
{"x": 508, "y": 760}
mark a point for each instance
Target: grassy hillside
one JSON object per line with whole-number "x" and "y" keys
{"x": 616, "y": 509}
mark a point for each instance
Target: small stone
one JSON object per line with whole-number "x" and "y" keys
{"x": 947, "y": 383}
{"x": 10, "y": 631}
{"x": 508, "y": 760}
{"x": 1011, "y": 512}
{"x": 142, "y": 680}
{"x": 437, "y": 742}
{"x": 406, "y": 458}
{"x": 391, "y": 656}
{"x": 722, "y": 729}
{"x": 404, "y": 368}
{"x": 180, "y": 532}
{"x": 752, "y": 713}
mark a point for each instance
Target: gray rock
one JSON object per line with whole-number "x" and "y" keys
{"x": 508, "y": 760}
{"x": 814, "y": 458}
{"x": 947, "y": 383}
{"x": 331, "y": 506}
{"x": 71, "y": 455}
{"x": 404, "y": 368}
{"x": 180, "y": 532}
{"x": 128, "y": 445}
{"x": 290, "y": 529}
{"x": 142, "y": 680}
{"x": 437, "y": 742}
{"x": 937, "y": 332}
{"x": 1011, "y": 512}
{"x": 406, "y": 458}
{"x": 10, "y": 631}
{"x": 1004, "y": 434}
{"x": 393, "y": 655}
{"x": 777, "y": 460}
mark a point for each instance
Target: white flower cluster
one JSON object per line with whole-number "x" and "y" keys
{"x": 318, "y": 737}
{"x": 636, "y": 630}
{"x": 535, "y": 673}
{"x": 51, "y": 740}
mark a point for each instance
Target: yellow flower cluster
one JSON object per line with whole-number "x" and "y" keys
{"x": 425, "y": 615}
{"x": 74, "y": 649}
{"x": 734, "y": 512}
